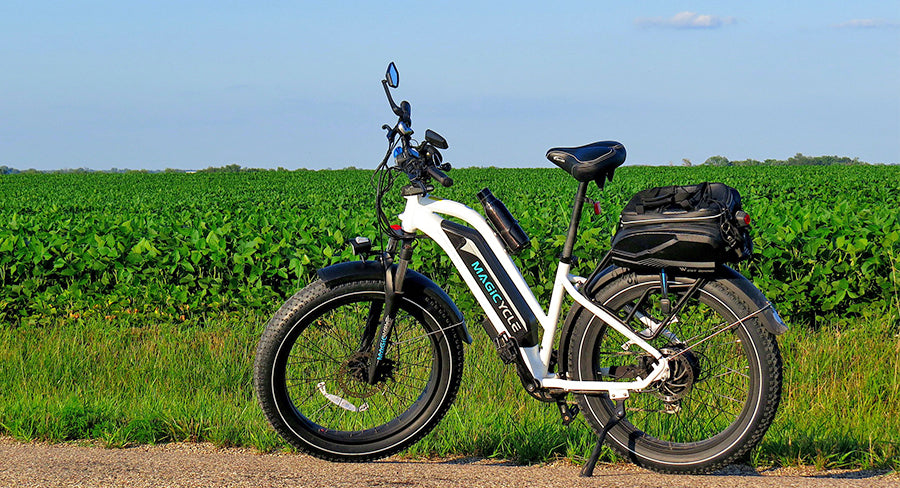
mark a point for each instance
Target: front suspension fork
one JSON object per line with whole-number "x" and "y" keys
{"x": 393, "y": 290}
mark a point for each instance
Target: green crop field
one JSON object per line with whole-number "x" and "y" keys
{"x": 130, "y": 304}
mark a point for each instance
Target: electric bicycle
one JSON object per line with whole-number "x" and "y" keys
{"x": 670, "y": 355}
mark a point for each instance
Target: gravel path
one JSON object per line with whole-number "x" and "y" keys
{"x": 195, "y": 465}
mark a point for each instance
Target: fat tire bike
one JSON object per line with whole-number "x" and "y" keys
{"x": 670, "y": 355}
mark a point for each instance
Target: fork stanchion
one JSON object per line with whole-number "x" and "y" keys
{"x": 618, "y": 414}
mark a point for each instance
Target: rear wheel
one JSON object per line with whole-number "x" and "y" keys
{"x": 311, "y": 371}
{"x": 724, "y": 384}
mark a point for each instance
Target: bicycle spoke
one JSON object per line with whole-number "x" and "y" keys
{"x": 332, "y": 345}
{"x": 704, "y": 404}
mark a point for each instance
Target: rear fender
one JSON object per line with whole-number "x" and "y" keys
{"x": 770, "y": 318}
{"x": 415, "y": 283}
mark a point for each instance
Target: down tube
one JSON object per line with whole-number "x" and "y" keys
{"x": 482, "y": 266}
{"x": 489, "y": 281}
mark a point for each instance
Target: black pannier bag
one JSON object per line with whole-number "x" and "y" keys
{"x": 684, "y": 228}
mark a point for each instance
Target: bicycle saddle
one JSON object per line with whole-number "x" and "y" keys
{"x": 595, "y": 161}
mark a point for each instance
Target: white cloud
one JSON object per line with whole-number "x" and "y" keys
{"x": 686, "y": 20}
{"x": 868, "y": 24}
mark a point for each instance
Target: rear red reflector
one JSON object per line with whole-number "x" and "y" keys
{"x": 596, "y": 208}
{"x": 396, "y": 227}
{"x": 747, "y": 219}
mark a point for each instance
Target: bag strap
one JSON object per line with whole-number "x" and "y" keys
{"x": 673, "y": 195}
{"x": 700, "y": 198}
{"x": 664, "y": 196}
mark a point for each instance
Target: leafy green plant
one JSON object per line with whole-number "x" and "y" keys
{"x": 183, "y": 246}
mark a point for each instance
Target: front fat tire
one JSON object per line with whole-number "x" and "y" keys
{"x": 726, "y": 413}
{"x": 310, "y": 339}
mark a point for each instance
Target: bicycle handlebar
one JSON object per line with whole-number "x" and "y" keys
{"x": 439, "y": 176}
{"x": 407, "y": 157}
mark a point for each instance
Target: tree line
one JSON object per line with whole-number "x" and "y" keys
{"x": 798, "y": 159}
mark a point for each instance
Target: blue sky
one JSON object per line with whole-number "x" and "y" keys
{"x": 165, "y": 84}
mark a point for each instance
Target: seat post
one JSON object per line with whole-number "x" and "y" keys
{"x": 569, "y": 246}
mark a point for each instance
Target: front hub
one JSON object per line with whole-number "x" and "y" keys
{"x": 353, "y": 376}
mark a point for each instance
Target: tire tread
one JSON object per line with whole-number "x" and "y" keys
{"x": 771, "y": 361}
{"x": 273, "y": 335}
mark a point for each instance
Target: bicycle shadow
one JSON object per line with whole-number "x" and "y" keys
{"x": 840, "y": 474}
{"x": 734, "y": 470}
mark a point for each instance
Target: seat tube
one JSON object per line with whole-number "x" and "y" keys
{"x": 569, "y": 246}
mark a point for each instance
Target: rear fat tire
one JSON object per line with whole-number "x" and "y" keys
{"x": 310, "y": 340}
{"x": 727, "y": 411}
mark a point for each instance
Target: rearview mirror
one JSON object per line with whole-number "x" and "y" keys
{"x": 393, "y": 77}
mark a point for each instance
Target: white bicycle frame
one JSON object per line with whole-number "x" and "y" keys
{"x": 423, "y": 213}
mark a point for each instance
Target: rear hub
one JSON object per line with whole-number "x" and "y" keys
{"x": 684, "y": 369}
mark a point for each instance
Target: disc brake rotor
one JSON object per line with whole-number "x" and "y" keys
{"x": 684, "y": 369}
{"x": 353, "y": 374}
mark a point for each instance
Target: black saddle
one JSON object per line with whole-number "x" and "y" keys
{"x": 595, "y": 161}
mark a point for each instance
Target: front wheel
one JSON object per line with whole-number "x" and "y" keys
{"x": 311, "y": 371}
{"x": 723, "y": 388}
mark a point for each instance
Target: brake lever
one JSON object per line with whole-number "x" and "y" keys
{"x": 392, "y": 132}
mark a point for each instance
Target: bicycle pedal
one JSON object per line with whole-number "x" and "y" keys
{"x": 568, "y": 413}
{"x": 505, "y": 348}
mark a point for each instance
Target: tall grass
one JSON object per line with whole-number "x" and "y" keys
{"x": 125, "y": 383}
{"x": 841, "y": 403}
{"x": 132, "y": 384}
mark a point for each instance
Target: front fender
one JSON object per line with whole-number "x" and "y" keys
{"x": 414, "y": 283}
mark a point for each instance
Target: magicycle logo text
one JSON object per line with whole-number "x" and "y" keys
{"x": 500, "y": 305}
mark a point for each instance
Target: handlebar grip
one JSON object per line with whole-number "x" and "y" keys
{"x": 439, "y": 175}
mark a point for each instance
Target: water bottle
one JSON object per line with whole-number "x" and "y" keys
{"x": 503, "y": 222}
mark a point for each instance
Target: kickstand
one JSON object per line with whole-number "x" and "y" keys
{"x": 588, "y": 470}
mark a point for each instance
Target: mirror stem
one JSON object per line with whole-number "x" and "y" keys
{"x": 387, "y": 91}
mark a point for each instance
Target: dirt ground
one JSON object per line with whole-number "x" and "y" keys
{"x": 195, "y": 465}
